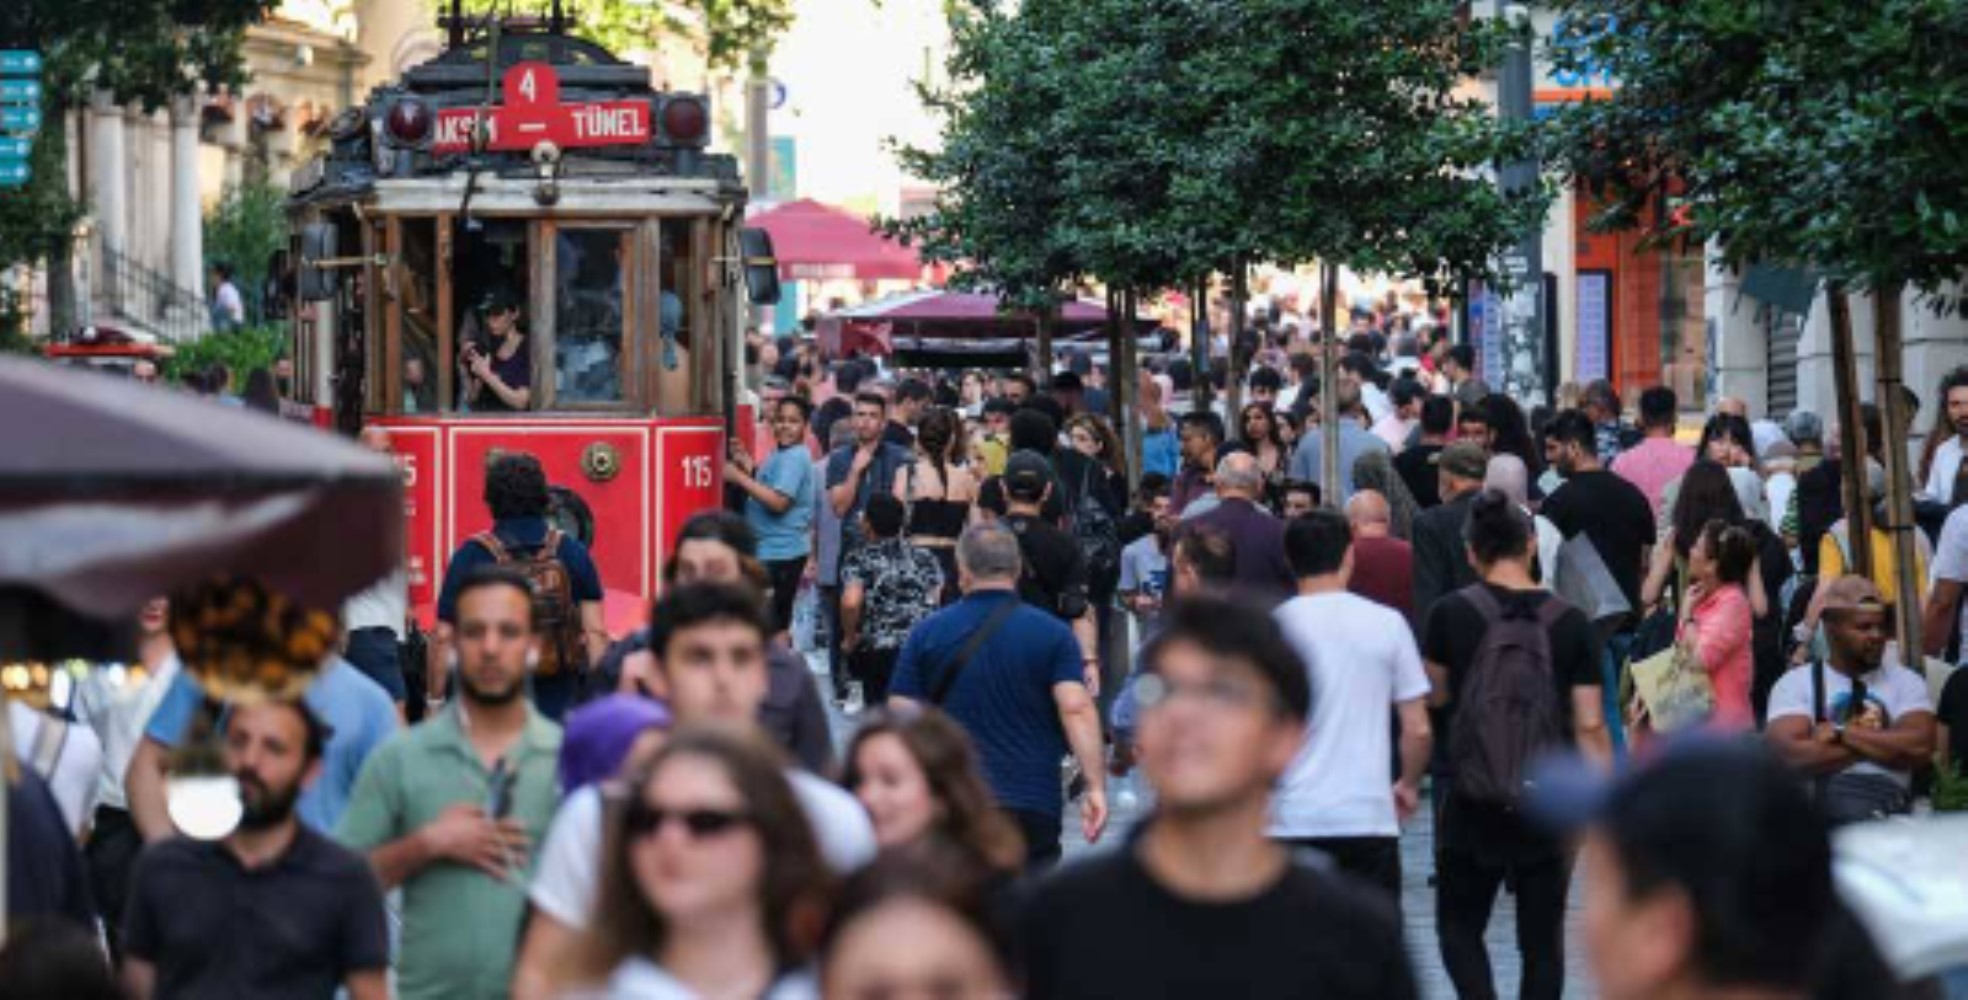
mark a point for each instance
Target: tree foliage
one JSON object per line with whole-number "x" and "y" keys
{"x": 244, "y": 229}
{"x": 730, "y": 31}
{"x": 1808, "y": 132}
{"x": 143, "y": 51}
{"x": 1151, "y": 142}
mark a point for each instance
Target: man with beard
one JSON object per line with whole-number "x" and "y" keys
{"x": 274, "y": 909}
{"x": 1946, "y": 483}
{"x": 451, "y": 809}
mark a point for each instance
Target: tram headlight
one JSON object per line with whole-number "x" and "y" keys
{"x": 685, "y": 120}
{"x": 409, "y": 122}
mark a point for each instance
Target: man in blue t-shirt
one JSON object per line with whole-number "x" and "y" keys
{"x": 1020, "y": 692}
{"x": 357, "y": 711}
{"x": 516, "y": 493}
{"x": 779, "y": 503}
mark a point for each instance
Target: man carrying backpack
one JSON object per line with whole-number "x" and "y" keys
{"x": 1519, "y": 672}
{"x": 567, "y": 591}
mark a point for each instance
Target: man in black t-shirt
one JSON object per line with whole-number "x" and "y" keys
{"x": 1619, "y": 519}
{"x": 1055, "y": 575}
{"x": 1479, "y": 845}
{"x": 1201, "y": 903}
{"x": 1416, "y": 463}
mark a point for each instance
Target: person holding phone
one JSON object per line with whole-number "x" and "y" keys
{"x": 497, "y": 371}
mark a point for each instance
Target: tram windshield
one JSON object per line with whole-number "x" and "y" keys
{"x": 500, "y": 316}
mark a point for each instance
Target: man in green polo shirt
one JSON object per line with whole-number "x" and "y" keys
{"x": 452, "y": 809}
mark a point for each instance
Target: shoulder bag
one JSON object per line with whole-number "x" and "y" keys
{"x": 948, "y": 678}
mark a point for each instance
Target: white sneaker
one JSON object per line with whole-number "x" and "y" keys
{"x": 854, "y": 701}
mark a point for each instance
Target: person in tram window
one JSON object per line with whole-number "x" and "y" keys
{"x": 498, "y": 369}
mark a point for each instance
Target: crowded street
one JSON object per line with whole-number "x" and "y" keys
{"x": 848, "y": 500}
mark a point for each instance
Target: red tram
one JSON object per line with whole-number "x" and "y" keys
{"x": 524, "y": 212}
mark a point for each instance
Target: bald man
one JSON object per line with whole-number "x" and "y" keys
{"x": 1369, "y": 515}
{"x": 374, "y": 619}
{"x": 1383, "y": 566}
{"x": 1257, "y": 538}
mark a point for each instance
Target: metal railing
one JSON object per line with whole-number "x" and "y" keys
{"x": 136, "y": 292}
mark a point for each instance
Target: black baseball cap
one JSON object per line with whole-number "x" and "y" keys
{"x": 1026, "y": 475}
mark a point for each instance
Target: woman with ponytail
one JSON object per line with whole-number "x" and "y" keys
{"x": 939, "y": 492}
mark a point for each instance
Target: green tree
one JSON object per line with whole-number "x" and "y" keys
{"x": 244, "y": 229}
{"x": 730, "y": 31}
{"x": 1804, "y": 132}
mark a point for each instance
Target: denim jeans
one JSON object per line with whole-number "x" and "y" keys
{"x": 1609, "y": 679}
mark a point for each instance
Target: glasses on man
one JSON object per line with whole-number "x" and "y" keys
{"x": 1153, "y": 691}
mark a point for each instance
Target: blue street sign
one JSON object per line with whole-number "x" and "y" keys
{"x": 13, "y": 174}
{"x": 20, "y": 119}
{"x": 15, "y": 149}
{"x": 20, "y": 62}
{"x": 20, "y": 92}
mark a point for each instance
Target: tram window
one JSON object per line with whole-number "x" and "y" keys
{"x": 590, "y": 289}
{"x": 490, "y": 286}
{"x": 674, "y": 318}
{"x": 417, "y": 298}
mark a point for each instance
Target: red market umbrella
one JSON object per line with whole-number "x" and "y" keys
{"x": 816, "y": 241}
{"x": 112, "y": 492}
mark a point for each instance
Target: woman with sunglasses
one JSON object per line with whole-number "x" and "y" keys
{"x": 917, "y": 774}
{"x": 711, "y": 881}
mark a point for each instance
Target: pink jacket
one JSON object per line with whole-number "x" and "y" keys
{"x": 1720, "y": 633}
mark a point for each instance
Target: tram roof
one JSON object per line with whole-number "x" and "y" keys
{"x": 367, "y": 158}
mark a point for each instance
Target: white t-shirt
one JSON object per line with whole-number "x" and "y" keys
{"x": 118, "y": 714}
{"x": 1362, "y": 659}
{"x": 1951, "y": 561}
{"x": 76, "y": 765}
{"x": 564, "y": 879}
{"x": 639, "y": 978}
{"x": 1891, "y": 692}
{"x": 1940, "y": 477}
{"x": 385, "y": 604}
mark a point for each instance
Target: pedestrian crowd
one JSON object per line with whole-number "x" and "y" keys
{"x": 1569, "y": 635}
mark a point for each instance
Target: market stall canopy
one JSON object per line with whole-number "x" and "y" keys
{"x": 954, "y": 322}
{"x": 821, "y": 242}
{"x": 113, "y": 492}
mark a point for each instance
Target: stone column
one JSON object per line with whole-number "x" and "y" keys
{"x": 107, "y": 163}
{"x": 1741, "y": 349}
{"x": 187, "y": 223}
{"x": 144, "y": 175}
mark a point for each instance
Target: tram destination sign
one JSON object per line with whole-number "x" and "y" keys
{"x": 531, "y": 113}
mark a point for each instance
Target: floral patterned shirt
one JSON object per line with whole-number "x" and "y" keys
{"x": 901, "y": 584}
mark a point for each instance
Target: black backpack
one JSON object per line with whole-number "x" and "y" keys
{"x": 1507, "y": 713}
{"x": 1094, "y": 529}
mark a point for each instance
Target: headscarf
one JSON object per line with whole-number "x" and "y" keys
{"x": 599, "y": 734}
{"x": 1374, "y": 470}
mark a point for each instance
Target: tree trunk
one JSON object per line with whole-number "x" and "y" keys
{"x": 1123, "y": 389}
{"x": 1238, "y": 361}
{"x": 1851, "y": 432}
{"x": 1328, "y": 373}
{"x": 1199, "y": 349}
{"x": 1047, "y": 318}
{"x": 1899, "y": 478}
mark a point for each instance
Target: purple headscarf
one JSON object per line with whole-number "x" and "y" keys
{"x": 598, "y": 736}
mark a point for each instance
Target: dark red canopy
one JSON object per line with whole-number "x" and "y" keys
{"x": 822, "y": 242}
{"x": 933, "y": 314}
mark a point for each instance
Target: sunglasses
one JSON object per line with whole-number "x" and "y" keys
{"x": 644, "y": 820}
